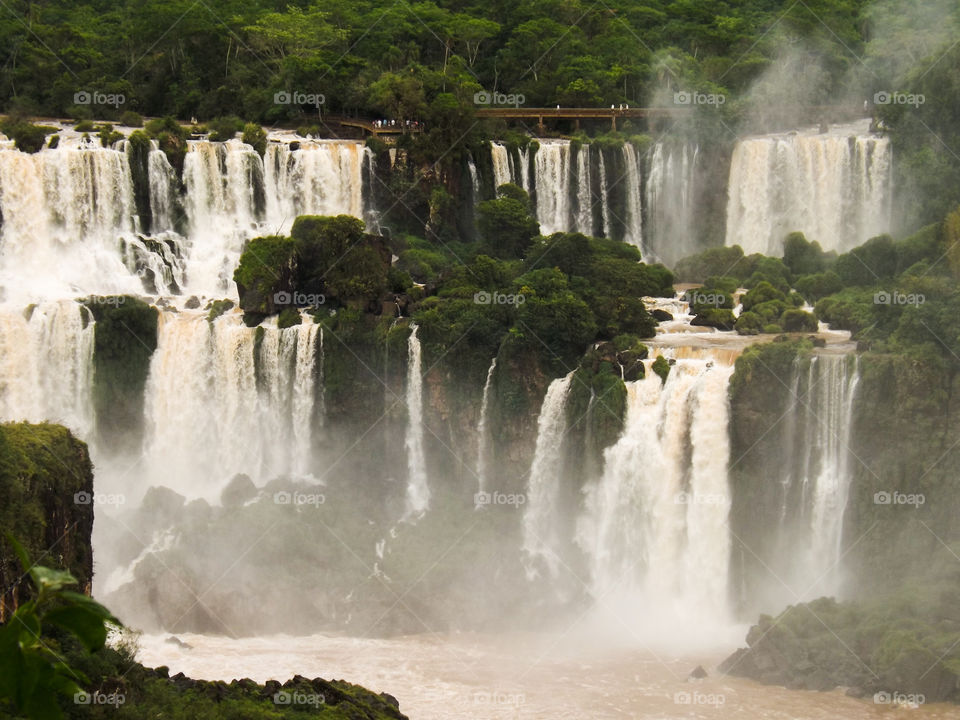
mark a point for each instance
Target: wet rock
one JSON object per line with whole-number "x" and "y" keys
{"x": 661, "y": 315}
{"x": 193, "y": 303}
{"x": 698, "y": 673}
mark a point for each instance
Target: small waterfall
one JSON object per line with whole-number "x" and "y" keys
{"x": 483, "y": 434}
{"x": 524, "y": 175}
{"x": 501, "y": 165}
{"x": 655, "y": 524}
{"x": 218, "y": 402}
{"x": 418, "y": 490}
{"x": 46, "y": 365}
{"x": 604, "y": 195}
{"x": 474, "y": 181}
{"x": 552, "y": 184}
{"x": 162, "y": 179}
{"x": 817, "y": 479}
{"x": 833, "y": 187}
{"x": 540, "y": 535}
{"x": 633, "y": 221}
{"x": 584, "y": 213}
{"x": 669, "y": 200}
{"x": 319, "y": 178}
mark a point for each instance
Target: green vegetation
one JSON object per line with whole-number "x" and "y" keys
{"x": 26, "y": 136}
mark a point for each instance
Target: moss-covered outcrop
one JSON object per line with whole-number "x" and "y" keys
{"x": 46, "y": 486}
{"x": 125, "y": 337}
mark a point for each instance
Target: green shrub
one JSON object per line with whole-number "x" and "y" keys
{"x": 129, "y": 118}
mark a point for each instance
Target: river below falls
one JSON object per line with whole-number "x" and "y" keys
{"x": 502, "y": 677}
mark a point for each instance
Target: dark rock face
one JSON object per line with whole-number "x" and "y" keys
{"x": 46, "y": 482}
{"x": 661, "y": 315}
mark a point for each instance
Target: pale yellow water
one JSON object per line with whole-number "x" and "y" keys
{"x": 447, "y": 677}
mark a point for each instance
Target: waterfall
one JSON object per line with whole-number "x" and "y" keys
{"x": 540, "y": 535}
{"x": 46, "y": 365}
{"x": 218, "y": 402}
{"x": 604, "y": 195}
{"x": 501, "y": 165}
{"x": 319, "y": 178}
{"x": 584, "y": 213}
{"x": 655, "y": 523}
{"x": 418, "y": 491}
{"x": 552, "y": 185}
{"x": 476, "y": 195}
{"x": 669, "y": 200}
{"x": 632, "y": 222}
{"x": 833, "y": 187}
{"x": 524, "y": 154}
{"x": 483, "y": 434}
{"x": 816, "y": 480}
{"x": 162, "y": 180}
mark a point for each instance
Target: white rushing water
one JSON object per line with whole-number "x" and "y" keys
{"x": 208, "y": 414}
{"x": 418, "y": 489}
{"x": 501, "y": 165}
{"x": 633, "y": 223}
{"x": 483, "y": 433}
{"x": 552, "y": 184}
{"x": 583, "y": 222}
{"x": 669, "y": 197}
{"x": 834, "y": 187}
{"x": 655, "y": 525}
{"x": 46, "y": 365}
{"x": 540, "y": 534}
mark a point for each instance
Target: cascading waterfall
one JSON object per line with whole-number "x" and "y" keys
{"x": 540, "y": 534}
{"x": 501, "y": 165}
{"x": 552, "y": 184}
{"x": 584, "y": 212}
{"x": 833, "y": 187}
{"x": 476, "y": 195}
{"x": 816, "y": 480}
{"x": 604, "y": 193}
{"x": 655, "y": 523}
{"x": 633, "y": 233}
{"x": 669, "y": 200}
{"x": 218, "y": 405}
{"x": 483, "y": 443}
{"x": 418, "y": 490}
{"x": 46, "y": 365}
